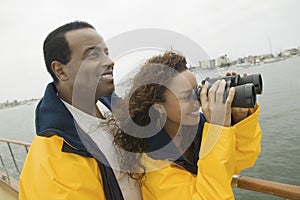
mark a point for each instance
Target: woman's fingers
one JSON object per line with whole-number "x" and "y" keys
{"x": 231, "y": 73}
{"x": 203, "y": 94}
{"x": 220, "y": 92}
{"x": 230, "y": 97}
{"x": 212, "y": 91}
{"x": 215, "y": 110}
{"x": 216, "y": 93}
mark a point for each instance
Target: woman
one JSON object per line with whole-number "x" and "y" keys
{"x": 184, "y": 154}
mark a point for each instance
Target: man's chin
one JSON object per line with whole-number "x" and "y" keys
{"x": 107, "y": 92}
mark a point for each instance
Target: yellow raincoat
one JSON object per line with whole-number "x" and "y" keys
{"x": 66, "y": 175}
{"x": 58, "y": 166}
{"x": 225, "y": 151}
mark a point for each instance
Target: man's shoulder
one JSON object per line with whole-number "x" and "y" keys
{"x": 48, "y": 143}
{"x": 52, "y": 148}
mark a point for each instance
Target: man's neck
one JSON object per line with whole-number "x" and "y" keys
{"x": 84, "y": 104}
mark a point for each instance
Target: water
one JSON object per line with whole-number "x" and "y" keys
{"x": 16, "y": 123}
{"x": 279, "y": 119}
{"x": 280, "y": 114}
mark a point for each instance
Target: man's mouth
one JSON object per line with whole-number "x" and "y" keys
{"x": 107, "y": 75}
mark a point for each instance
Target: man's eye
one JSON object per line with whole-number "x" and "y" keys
{"x": 92, "y": 54}
{"x": 106, "y": 52}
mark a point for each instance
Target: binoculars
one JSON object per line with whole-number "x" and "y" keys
{"x": 246, "y": 89}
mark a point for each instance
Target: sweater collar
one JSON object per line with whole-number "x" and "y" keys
{"x": 161, "y": 147}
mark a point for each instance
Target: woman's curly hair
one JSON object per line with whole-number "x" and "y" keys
{"x": 149, "y": 87}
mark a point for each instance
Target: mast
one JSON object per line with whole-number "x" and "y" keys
{"x": 270, "y": 46}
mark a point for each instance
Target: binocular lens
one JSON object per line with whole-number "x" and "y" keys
{"x": 245, "y": 96}
{"x": 256, "y": 79}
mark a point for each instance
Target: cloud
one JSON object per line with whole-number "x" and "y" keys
{"x": 233, "y": 27}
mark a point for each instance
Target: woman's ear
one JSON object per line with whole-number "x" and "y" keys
{"x": 159, "y": 108}
{"x": 59, "y": 70}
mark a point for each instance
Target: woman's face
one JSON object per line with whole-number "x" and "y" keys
{"x": 181, "y": 104}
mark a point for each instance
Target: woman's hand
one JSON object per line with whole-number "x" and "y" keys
{"x": 238, "y": 114}
{"x": 214, "y": 109}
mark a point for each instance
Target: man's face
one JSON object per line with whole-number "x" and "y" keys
{"x": 90, "y": 71}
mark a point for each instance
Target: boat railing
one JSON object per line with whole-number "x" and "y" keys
{"x": 12, "y": 157}
{"x": 286, "y": 191}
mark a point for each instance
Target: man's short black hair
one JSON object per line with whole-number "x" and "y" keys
{"x": 56, "y": 47}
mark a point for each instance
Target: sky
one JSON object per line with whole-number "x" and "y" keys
{"x": 233, "y": 27}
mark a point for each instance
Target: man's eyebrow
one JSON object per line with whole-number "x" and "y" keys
{"x": 89, "y": 49}
{"x": 95, "y": 48}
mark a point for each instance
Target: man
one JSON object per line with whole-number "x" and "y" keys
{"x": 68, "y": 158}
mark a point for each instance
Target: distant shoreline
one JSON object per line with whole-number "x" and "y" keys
{"x": 11, "y": 104}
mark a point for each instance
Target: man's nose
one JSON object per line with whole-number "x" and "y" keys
{"x": 108, "y": 62}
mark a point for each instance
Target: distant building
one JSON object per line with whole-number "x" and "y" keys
{"x": 265, "y": 56}
{"x": 207, "y": 64}
{"x": 290, "y": 52}
{"x": 223, "y": 61}
{"x": 247, "y": 61}
{"x": 242, "y": 60}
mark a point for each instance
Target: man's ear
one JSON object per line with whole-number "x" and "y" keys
{"x": 59, "y": 70}
{"x": 159, "y": 108}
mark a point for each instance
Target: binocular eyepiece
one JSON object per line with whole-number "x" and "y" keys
{"x": 246, "y": 89}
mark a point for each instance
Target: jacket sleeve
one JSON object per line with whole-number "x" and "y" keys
{"x": 248, "y": 140}
{"x": 215, "y": 169}
{"x": 49, "y": 173}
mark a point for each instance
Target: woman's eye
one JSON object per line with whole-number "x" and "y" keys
{"x": 187, "y": 97}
